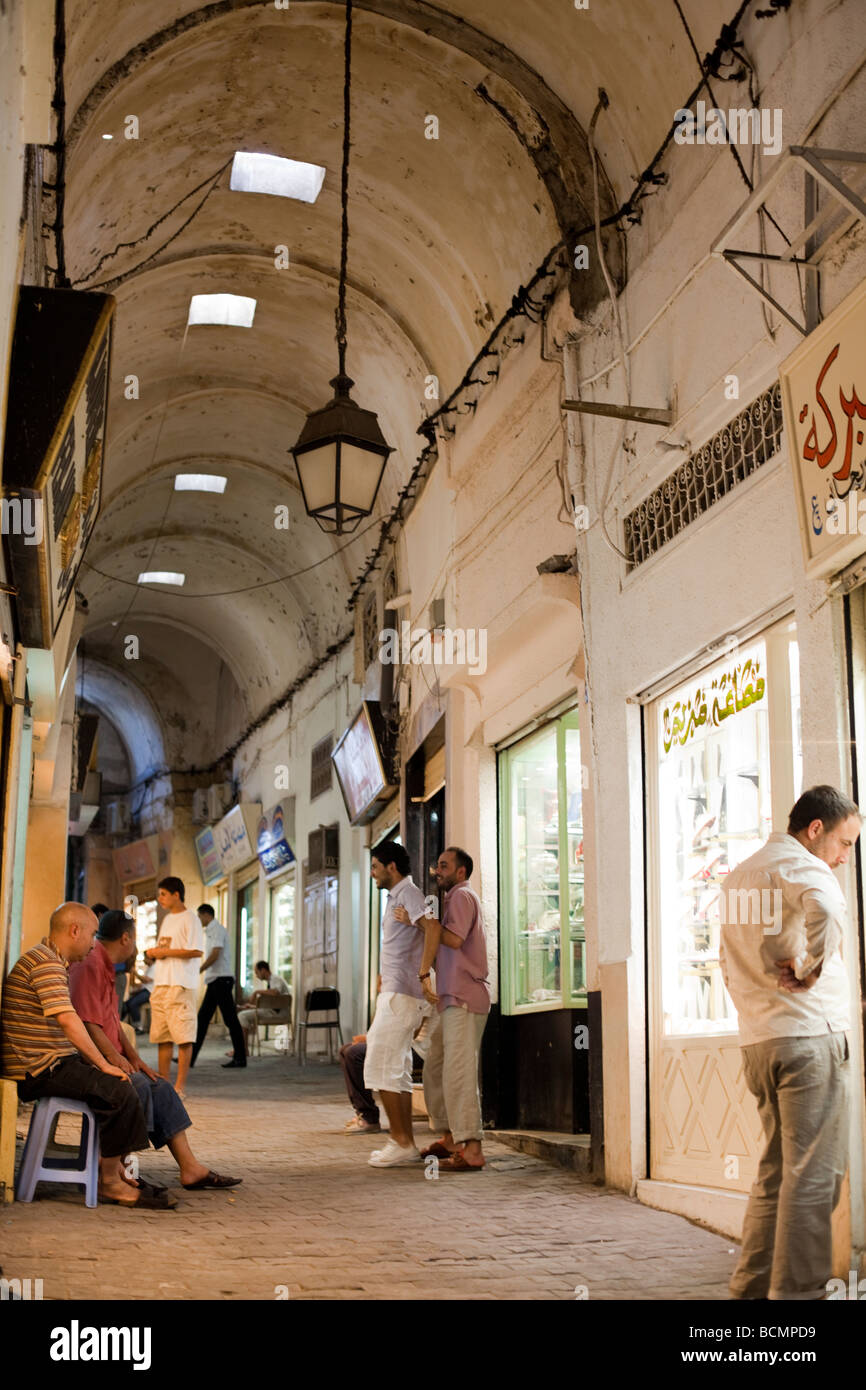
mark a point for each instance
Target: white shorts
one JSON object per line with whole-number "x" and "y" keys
{"x": 388, "y": 1064}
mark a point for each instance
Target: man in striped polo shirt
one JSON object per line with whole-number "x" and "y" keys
{"x": 45, "y": 1047}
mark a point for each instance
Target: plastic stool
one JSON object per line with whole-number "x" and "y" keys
{"x": 82, "y": 1168}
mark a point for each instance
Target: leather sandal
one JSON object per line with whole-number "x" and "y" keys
{"x": 456, "y": 1163}
{"x": 211, "y": 1180}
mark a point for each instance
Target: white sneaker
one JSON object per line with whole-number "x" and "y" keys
{"x": 393, "y": 1155}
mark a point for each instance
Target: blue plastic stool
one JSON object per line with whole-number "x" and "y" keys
{"x": 82, "y": 1168}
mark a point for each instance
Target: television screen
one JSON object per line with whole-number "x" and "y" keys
{"x": 360, "y": 768}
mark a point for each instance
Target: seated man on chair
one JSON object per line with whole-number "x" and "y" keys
{"x": 45, "y": 1047}
{"x": 263, "y": 1000}
{"x": 95, "y": 1001}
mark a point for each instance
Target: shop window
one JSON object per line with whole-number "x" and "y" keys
{"x": 542, "y": 941}
{"x": 281, "y": 957}
{"x": 246, "y": 939}
{"x": 728, "y": 768}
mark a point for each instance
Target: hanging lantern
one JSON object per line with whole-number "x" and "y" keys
{"x": 341, "y": 452}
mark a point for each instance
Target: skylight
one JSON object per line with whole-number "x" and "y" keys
{"x": 199, "y": 482}
{"x": 268, "y": 173}
{"x": 234, "y": 310}
{"x": 161, "y": 577}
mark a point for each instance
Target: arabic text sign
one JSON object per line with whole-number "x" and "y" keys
{"x": 275, "y": 852}
{"x": 210, "y": 864}
{"x": 232, "y": 840}
{"x": 724, "y": 691}
{"x": 824, "y": 399}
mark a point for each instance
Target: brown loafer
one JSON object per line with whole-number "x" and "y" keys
{"x": 211, "y": 1180}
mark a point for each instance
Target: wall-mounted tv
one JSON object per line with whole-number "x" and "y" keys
{"x": 364, "y": 765}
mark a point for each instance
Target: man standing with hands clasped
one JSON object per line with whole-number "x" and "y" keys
{"x": 783, "y": 914}
{"x": 400, "y": 1005}
{"x": 173, "y": 1000}
{"x": 458, "y": 947}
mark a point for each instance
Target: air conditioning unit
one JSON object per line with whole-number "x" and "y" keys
{"x": 219, "y": 799}
{"x": 118, "y": 819}
{"x": 200, "y": 806}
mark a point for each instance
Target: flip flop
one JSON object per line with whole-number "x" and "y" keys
{"x": 211, "y": 1180}
{"x": 456, "y": 1163}
{"x": 438, "y": 1150}
{"x": 146, "y": 1201}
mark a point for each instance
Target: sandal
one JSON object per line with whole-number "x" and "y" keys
{"x": 145, "y": 1201}
{"x": 360, "y": 1126}
{"x": 438, "y": 1150}
{"x": 456, "y": 1163}
{"x": 211, "y": 1180}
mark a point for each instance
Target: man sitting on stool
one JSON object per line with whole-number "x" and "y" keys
{"x": 91, "y": 987}
{"x": 274, "y": 987}
{"x": 45, "y": 1047}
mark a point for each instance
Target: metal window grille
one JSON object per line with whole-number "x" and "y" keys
{"x": 320, "y": 766}
{"x": 733, "y": 454}
{"x": 370, "y": 629}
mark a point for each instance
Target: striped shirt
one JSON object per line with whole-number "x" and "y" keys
{"x": 36, "y": 989}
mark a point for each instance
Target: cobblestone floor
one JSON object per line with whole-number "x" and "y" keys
{"x": 313, "y": 1217}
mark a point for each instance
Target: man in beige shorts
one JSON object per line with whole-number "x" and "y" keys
{"x": 174, "y": 997}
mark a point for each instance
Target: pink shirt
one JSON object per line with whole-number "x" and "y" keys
{"x": 94, "y": 998}
{"x": 461, "y": 973}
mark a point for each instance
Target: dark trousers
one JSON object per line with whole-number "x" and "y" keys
{"x": 164, "y": 1111}
{"x": 119, "y": 1116}
{"x": 132, "y": 1008}
{"x": 352, "y": 1061}
{"x": 220, "y": 995}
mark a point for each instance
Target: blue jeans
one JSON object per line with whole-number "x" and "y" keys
{"x": 164, "y": 1111}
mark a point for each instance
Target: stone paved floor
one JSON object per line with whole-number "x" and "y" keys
{"x": 313, "y": 1217}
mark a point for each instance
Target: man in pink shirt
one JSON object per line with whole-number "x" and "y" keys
{"x": 458, "y": 946}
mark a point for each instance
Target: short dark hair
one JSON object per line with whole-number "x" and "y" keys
{"x": 826, "y": 804}
{"x": 263, "y": 965}
{"x": 113, "y": 923}
{"x": 173, "y": 885}
{"x": 389, "y": 852}
{"x": 206, "y": 907}
{"x": 464, "y": 860}
{"x": 99, "y": 909}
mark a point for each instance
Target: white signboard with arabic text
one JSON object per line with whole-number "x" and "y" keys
{"x": 824, "y": 399}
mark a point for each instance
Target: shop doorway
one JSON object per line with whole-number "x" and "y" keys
{"x": 724, "y": 766}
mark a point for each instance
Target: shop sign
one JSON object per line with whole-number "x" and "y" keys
{"x": 824, "y": 399}
{"x": 274, "y": 851}
{"x": 722, "y": 693}
{"x": 235, "y": 836}
{"x": 137, "y": 860}
{"x": 209, "y": 861}
{"x": 55, "y": 437}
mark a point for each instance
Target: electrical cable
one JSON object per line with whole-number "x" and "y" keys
{"x": 248, "y": 588}
{"x": 212, "y": 180}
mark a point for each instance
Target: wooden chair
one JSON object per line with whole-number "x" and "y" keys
{"x": 279, "y": 1011}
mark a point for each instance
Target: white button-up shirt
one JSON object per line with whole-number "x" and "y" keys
{"x": 784, "y": 903}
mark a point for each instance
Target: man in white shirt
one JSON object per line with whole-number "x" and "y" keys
{"x": 783, "y": 913}
{"x": 400, "y": 1005}
{"x": 173, "y": 999}
{"x": 263, "y": 1000}
{"x": 219, "y": 980}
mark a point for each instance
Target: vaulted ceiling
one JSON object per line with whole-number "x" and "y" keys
{"x": 442, "y": 234}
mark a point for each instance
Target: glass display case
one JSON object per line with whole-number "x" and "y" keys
{"x": 283, "y": 929}
{"x": 714, "y": 810}
{"x": 542, "y": 888}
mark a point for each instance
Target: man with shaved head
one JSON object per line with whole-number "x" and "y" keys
{"x": 45, "y": 1047}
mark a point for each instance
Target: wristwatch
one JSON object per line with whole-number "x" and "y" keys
{"x": 426, "y": 976}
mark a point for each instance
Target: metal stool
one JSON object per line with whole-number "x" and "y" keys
{"x": 82, "y": 1168}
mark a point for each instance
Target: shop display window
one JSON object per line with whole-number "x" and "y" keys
{"x": 541, "y": 834}
{"x": 718, "y": 754}
{"x": 247, "y": 925}
{"x": 283, "y": 929}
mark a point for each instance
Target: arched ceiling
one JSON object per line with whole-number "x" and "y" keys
{"x": 442, "y": 234}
